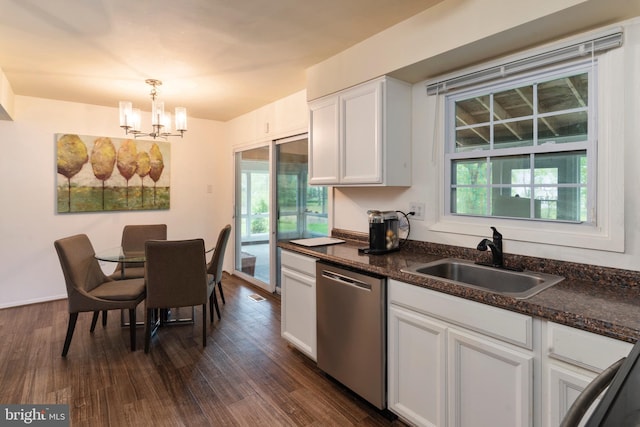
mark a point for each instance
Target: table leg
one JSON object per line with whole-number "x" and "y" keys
{"x": 122, "y": 276}
{"x": 169, "y": 317}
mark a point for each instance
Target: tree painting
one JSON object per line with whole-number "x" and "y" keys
{"x": 157, "y": 166}
{"x": 128, "y": 162}
{"x": 108, "y": 174}
{"x": 142, "y": 170}
{"x": 103, "y": 159}
{"x": 72, "y": 155}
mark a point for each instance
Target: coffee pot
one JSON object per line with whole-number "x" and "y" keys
{"x": 383, "y": 232}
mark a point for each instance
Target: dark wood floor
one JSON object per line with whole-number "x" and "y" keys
{"x": 247, "y": 375}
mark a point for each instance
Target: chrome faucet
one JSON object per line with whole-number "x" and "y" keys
{"x": 496, "y": 249}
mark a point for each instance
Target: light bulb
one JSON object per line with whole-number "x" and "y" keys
{"x": 125, "y": 114}
{"x": 181, "y": 119}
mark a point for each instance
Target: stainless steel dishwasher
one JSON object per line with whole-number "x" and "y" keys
{"x": 351, "y": 331}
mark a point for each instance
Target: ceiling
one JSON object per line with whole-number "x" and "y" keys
{"x": 218, "y": 58}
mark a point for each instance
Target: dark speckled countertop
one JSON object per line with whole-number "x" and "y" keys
{"x": 602, "y": 300}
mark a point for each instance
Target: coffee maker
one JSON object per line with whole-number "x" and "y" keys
{"x": 383, "y": 232}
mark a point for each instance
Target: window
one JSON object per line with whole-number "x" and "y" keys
{"x": 524, "y": 148}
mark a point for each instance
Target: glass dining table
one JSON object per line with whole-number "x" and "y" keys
{"x": 118, "y": 255}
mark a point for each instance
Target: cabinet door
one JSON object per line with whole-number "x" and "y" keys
{"x": 362, "y": 134}
{"x": 324, "y": 142}
{"x": 573, "y": 359}
{"x": 565, "y": 385}
{"x": 416, "y": 367}
{"x": 298, "y": 323}
{"x": 489, "y": 384}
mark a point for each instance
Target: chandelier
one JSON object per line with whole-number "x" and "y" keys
{"x": 160, "y": 120}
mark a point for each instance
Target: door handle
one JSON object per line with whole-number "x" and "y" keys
{"x": 345, "y": 280}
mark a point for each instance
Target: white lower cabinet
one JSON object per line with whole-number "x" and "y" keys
{"x": 490, "y": 384}
{"x": 416, "y": 367}
{"x": 446, "y": 373}
{"x": 455, "y": 362}
{"x": 565, "y": 383}
{"x": 572, "y": 358}
{"x": 298, "y": 302}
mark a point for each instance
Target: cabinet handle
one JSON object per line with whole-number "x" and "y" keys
{"x": 345, "y": 280}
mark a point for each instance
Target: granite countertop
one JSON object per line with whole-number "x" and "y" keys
{"x": 601, "y": 300}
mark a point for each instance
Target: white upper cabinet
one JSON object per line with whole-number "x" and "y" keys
{"x": 362, "y": 136}
{"x": 324, "y": 150}
{"x": 361, "y": 115}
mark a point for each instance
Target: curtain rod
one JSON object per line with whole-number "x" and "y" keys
{"x": 549, "y": 57}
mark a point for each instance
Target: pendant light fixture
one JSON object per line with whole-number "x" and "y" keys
{"x": 160, "y": 121}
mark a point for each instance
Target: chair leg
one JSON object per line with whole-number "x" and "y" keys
{"x": 215, "y": 304}
{"x": 70, "y": 328}
{"x": 204, "y": 324}
{"x": 104, "y": 318}
{"x": 94, "y": 320}
{"x": 148, "y": 318}
{"x": 211, "y": 306}
{"x": 221, "y": 293}
{"x": 132, "y": 328}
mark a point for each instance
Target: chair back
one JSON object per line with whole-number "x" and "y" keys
{"x": 81, "y": 269}
{"x": 215, "y": 265}
{"x": 134, "y": 237}
{"x": 175, "y": 272}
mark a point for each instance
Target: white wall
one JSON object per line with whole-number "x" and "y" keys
{"x": 29, "y": 267}
{"x": 456, "y": 33}
{"x": 280, "y": 119}
{"x": 619, "y": 130}
{"x": 6, "y": 98}
{"x": 443, "y": 28}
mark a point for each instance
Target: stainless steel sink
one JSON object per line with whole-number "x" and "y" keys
{"x": 516, "y": 284}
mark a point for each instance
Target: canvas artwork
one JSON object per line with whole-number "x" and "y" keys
{"x": 97, "y": 173}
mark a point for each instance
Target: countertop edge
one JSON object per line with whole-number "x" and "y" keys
{"x": 544, "y": 305}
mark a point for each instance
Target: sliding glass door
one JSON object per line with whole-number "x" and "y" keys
{"x": 302, "y": 209}
{"x": 252, "y": 216}
{"x": 270, "y": 207}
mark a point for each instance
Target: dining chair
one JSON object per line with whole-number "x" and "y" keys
{"x": 176, "y": 276}
{"x": 89, "y": 289}
{"x": 133, "y": 239}
{"x": 214, "y": 268}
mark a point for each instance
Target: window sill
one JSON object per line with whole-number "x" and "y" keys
{"x": 580, "y": 236}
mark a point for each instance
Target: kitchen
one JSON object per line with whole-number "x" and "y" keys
{"x": 28, "y": 228}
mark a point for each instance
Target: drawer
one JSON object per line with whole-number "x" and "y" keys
{"x": 514, "y": 328}
{"x": 588, "y": 350}
{"x": 302, "y": 263}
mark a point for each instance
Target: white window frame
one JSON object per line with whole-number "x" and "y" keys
{"x": 551, "y": 73}
{"x": 606, "y": 232}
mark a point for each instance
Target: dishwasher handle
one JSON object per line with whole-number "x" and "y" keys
{"x": 346, "y": 280}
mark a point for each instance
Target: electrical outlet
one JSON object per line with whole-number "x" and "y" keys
{"x": 418, "y": 209}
